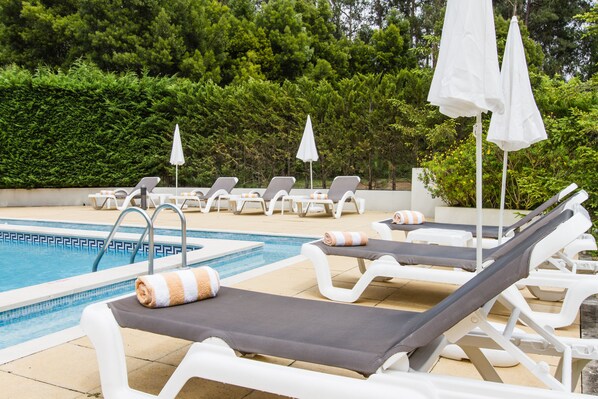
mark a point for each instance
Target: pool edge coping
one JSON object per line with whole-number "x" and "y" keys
{"x": 210, "y": 249}
{"x": 46, "y": 342}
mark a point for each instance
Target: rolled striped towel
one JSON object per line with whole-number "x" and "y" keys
{"x": 345, "y": 238}
{"x": 250, "y": 195}
{"x": 178, "y": 287}
{"x": 408, "y": 217}
{"x": 107, "y": 192}
{"x": 318, "y": 196}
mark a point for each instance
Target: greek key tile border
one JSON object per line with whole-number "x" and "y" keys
{"x": 80, "y": 242}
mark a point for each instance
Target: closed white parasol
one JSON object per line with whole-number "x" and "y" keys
{"x": 466, "y": 77}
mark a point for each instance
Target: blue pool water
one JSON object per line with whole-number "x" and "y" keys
{"x": 20, "y": 325}
{"x": 275, "y": 247}
{"x": 45, "y": 263}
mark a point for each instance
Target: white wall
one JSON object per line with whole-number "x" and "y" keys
{"x": 421, "y": 199}
{"x": 375, "y": 200}
{"x": 45, "y": 196}
{"x": 468, "y": 216}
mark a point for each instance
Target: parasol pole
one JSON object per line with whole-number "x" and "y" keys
{"x": 479, "y": 237}
{"x": 311, "y": 177}
{"x": 176, "y": 183}
{"x": 503, "y": 194}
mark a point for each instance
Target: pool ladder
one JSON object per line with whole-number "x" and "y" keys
{"x": 149, "y": 231}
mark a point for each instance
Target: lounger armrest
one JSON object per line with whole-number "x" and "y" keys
{"x": 121, "y": 193}
{"x": 349, "y": 195}
{"x": 383, "y": 230}
{"x": 197, "y": 193}
{"x": 274, "y": 200}
{"x": 219, "y": 193}
{"x": 129, "y": 198}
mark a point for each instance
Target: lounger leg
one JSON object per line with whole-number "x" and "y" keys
{"x": 238, "y": 207}
{"x": 339, "y": 209}
{"x": 577, "y": 366}
{"x": 94, "y": 203}
{"x": 103, "y": 203}
{"x": 329, "y": 208}
{"x": 481, "y": 363}
{"x": 98, "y": 323}
{"x": 303, "y": 212}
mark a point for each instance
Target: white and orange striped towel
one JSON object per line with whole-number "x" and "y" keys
{"x": 345, "y": 238}
{"x": 318, "y": 196}
{"x": 188, "y": 194}
{"x": 106, "y": 192}
{"x": 178, "y": 287}
{"x": 408, "y": 217}
{"x": 250, "y": 195}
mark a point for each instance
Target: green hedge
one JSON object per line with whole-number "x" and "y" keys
{"x": 87, "y": 128}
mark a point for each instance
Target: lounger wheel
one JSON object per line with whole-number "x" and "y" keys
{"x": 548, "y": 295}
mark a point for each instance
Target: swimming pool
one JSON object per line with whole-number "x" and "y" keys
{"x": 18, "y": 324}
{"x": 24, "y": 256}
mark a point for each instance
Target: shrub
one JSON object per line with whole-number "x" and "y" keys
{"x": 569, "y": 155}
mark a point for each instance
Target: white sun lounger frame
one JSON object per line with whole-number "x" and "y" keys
{"x": 214, "y": 360}
{"x": 579, "y": 287}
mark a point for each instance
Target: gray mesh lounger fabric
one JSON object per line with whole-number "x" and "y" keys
{"x": 353, "y": 337}
{"x": 221, "y": 183}
{"x": 149, "y": 182}
{"x": 487, "y": 231}
{"x": 436, "y": 255}
{"x": 340, "y": 185}
{"x": 276, "y": 184}
{"x": 408, "y": 253}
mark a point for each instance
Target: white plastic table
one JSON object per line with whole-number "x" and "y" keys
{"x": 230, "y": 198}
{"x": 455, "y": 238}
{"x": 292, "y": 199}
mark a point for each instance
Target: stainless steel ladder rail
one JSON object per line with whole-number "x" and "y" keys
{"x": 183, "y": 233}
{"x": 150, "y": 228}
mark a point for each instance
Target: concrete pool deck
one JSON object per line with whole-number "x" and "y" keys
{"x": 70, "y": 370}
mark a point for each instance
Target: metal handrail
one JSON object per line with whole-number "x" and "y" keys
{"x": 183, "y": 233}
{"x": 150, "y": 228}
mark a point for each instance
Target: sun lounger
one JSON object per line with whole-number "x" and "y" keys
{"x": 342, "y": 190}
{"x": 109, "y": 198}
{"x": 278, "y": 187}
{"x": 395, "y": 259}
{"x": 562, "y": 259}
{"x": 385, "y": 227}
{"x": 222, "y": 186}
{"x": 393, "y": 349}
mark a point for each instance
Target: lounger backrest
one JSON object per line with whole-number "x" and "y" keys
{"x": 511, "y": 267}
{"x": 539, "y": 210}
{"x": 149, "y": 182}
{"x": 222, "y": 183}
{"x": 276, "y": 184}
{"x": 529, "y": 230}
{"x": 340, "y": 185}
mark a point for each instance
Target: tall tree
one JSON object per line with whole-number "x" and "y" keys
{"x": 39, "y": 32}
{"x": 552, "y": 24}
{"x": 291, "y": 45}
